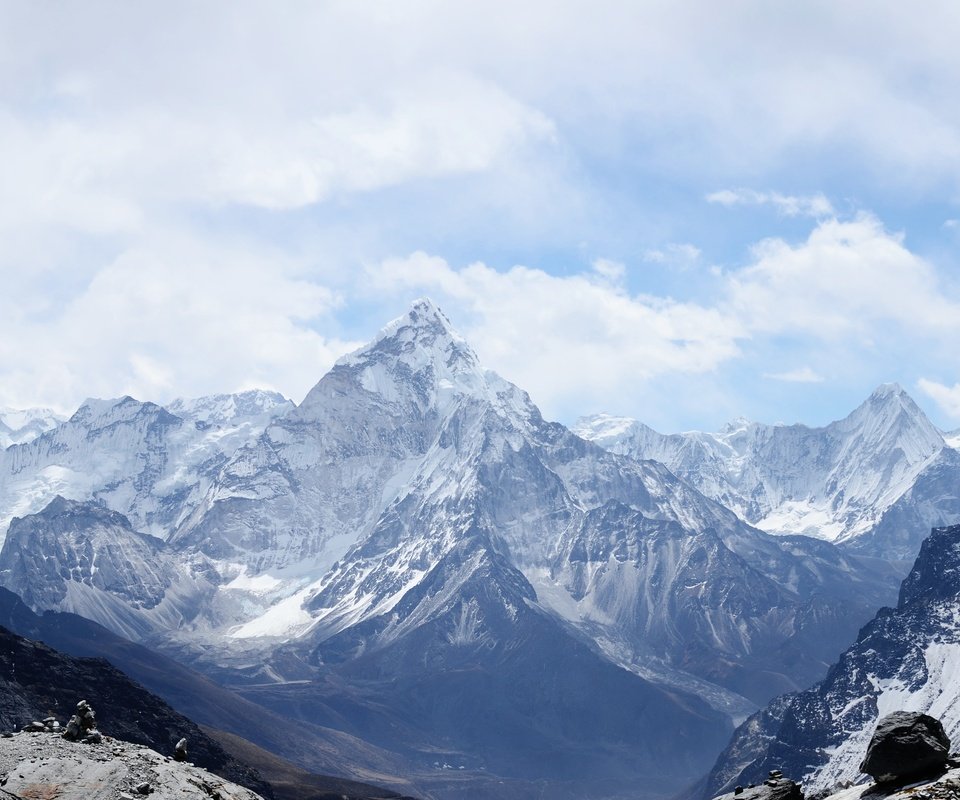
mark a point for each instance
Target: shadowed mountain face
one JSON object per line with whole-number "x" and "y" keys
{"x": 37, "y": 681}
{"x": 906, "y": 659}
{"x": 313, "y": 748}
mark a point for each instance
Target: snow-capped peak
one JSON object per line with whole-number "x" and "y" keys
{"x": 423, "y": 333}
{"x": 889, "y": 419}
{"x": 418, "y": 357}
{"x": 95, "y": 413}
{"x": 224, "y": 409}
{"x": 833, "y": 482}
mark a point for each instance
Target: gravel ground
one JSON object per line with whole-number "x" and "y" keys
{"x": 44, "y": 766}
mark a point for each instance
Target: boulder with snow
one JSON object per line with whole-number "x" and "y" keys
{"x": 906, "y": 745}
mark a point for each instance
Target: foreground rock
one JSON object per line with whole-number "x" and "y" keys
{"x": 42, "y": 765}
{"x": 37, "y": 682}
{"x": 775, "y": 787}
{"x": 946, "y": 787}
{"x": 906, "y": 745}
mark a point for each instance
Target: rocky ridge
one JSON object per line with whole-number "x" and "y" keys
{"x": 870, "y": 480}
{"x": 19, "y": 426}
{"x": 38, "y": 683}
{"x": 45, "y": 765}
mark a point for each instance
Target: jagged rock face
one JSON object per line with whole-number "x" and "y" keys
{"x": 906, "y": 659}
{"x": 416, "y": 509}
{"x": 470, "y": 657}
{"x": 622, "y": 550}
{"x": 136, "y": 458}
{"x": 933, "y": 501}
{"x": 834, "y": 482}
{"x": 83, "y": 558}
{"x": 319, "y": 478}
{"x": 349, "y": 500}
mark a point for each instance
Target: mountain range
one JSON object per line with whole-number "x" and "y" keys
{"x": 414, "y": 557}
{"x": 874, "y": 482}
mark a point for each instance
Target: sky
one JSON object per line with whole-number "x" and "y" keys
{"x": 678, "y": 211}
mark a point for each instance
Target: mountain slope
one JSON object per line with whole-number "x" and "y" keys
{"x": 415, "y": 555}
{"x": 133, "y": 457}
{"x": 344, "y": 504}
{"x": 907, "y": 658}
{"x": 37, "y": 681}
{"x": 305, "y": 743}
{"x": 83, "y": 558}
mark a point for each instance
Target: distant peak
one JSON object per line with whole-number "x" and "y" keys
{"x": 734, "y": 425}
{"x": 885, "y": 390}
{"x": 890, "y": 396}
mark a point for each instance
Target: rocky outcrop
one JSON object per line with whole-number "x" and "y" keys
{"x": 775, "y": 787}
{"x": 905, "y": 746}
{"x": 82, "y": 725}
{"x": 42, "y": 765}
{"x": 37, "y": 682}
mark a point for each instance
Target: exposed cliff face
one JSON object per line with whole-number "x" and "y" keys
{"x": 136, "y": 458}
{"x": 83, "y": 558}
{"x": 907, "y": 658}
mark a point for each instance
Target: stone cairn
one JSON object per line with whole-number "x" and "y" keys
{"x": 775, "y": 787}
{"x": 82, "y": 726}
{"x": 49, "y": 725}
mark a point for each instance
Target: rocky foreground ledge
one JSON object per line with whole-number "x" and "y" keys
{"x": 45, "y": 766}
{"x": 946, "y": 787}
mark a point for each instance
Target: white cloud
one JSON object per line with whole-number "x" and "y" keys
{"x": 128, "y": 137}
{"x": 102, "y": 176}
{"x": 799, "y": 375}
{"x": 613, "y": 271}
{"x": 573, "y": 340}
{"x": 454, "y": 126}
{"x": 577, "y": 340}
{"x": 946, "y": 397}
{"x": 815, "y": 205}
{"x": 678, "y": 255}
{"x": 168, "y": 319}
{"x": 847, "y": 279}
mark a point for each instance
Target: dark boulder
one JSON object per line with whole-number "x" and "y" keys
{"x": 906, "y": 745}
